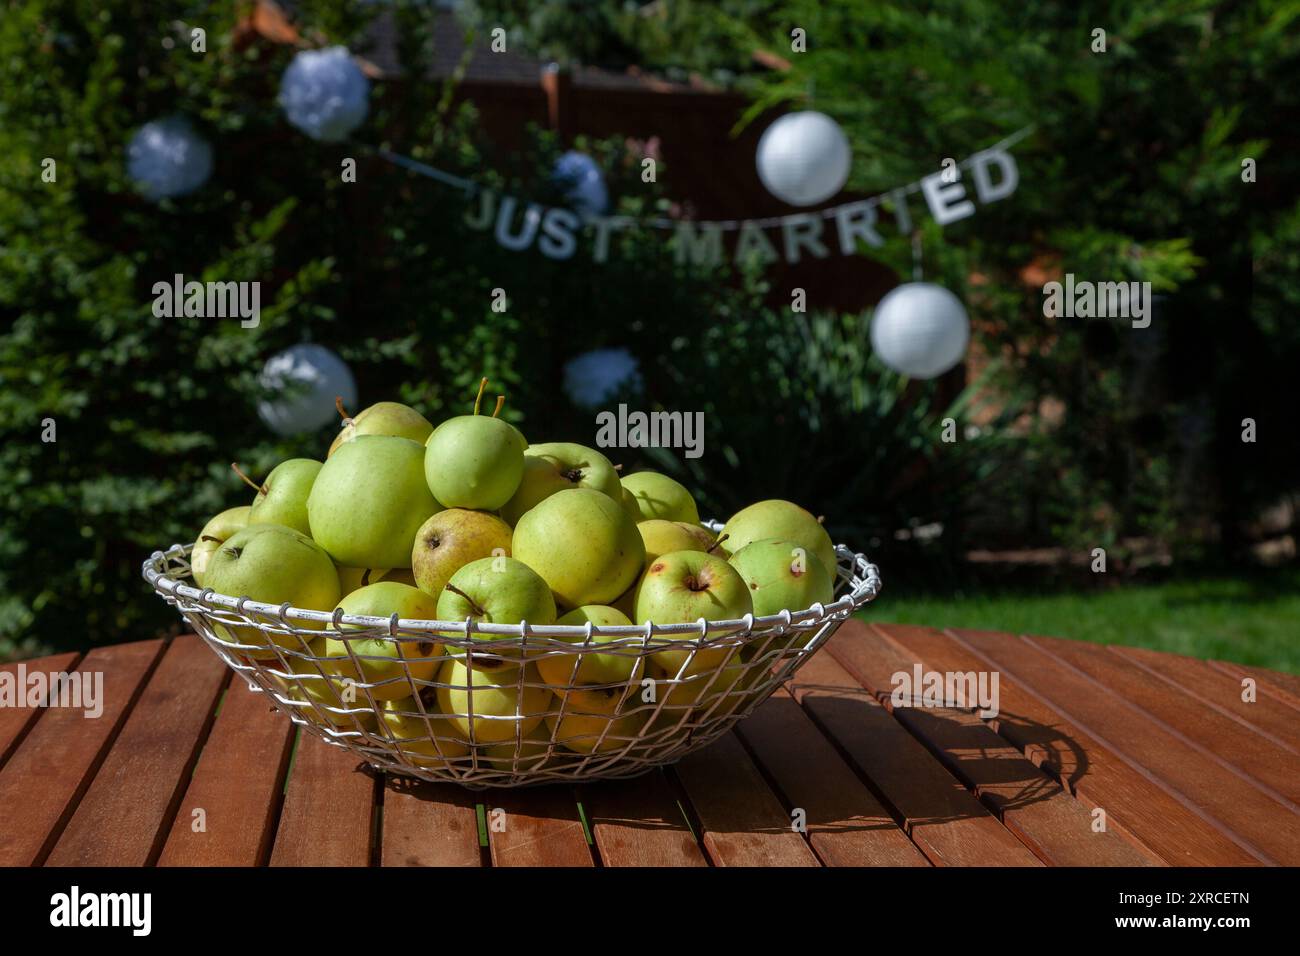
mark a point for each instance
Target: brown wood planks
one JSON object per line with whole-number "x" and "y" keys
{"x": 328, "y": 813}
{"x": 227, "y": 816}
{"x": 638, "y": 822}
{"x": 128, "y": 809}
{"x": 428, "y": 824}
{"x": 537, "y": 826}
{"x": 14, "y": 721}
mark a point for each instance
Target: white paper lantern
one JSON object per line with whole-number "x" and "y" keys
{"x": 592, "y": 377}
{"x": 168, "y": 158}
{"x": 803, "y": 158}
{"x": 584, "y": 186}
{"x": 920, "y": 330}
{"x": 325, "y": 94}
{"x": 304, "y": 381}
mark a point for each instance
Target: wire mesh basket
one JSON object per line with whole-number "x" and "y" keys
{"x": 495, "y": 705}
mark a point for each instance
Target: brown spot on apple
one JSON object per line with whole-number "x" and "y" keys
{"x": 657, "y": 567}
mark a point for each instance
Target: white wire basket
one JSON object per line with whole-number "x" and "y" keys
{"x": 418, "y": 710}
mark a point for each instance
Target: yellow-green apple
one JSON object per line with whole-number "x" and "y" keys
{"x": 282, "y": 499}
{"x": 352, "y": 578}
{"x": 317, "y": 682}
{"x": 658, "y": 496}
{"x": 272, "y": 564}
{"x": 596, "y": 721}
{"x": 474, "y": 461}
{"x": 630, "y": 505}
{"x": 384, "y": 418}
{"x": 401, "y": 576}
{"x": 686, "y": 586}
{"x": 702, "y": 535}
{"x": 583, "y": 544}
{"x": 426, "y": 741}
{"x": 214, "y": 534}
{"x": 617, "y": 666}
{"x": 557, "y": 466}
{"x": 665, "y": 537}
{"x": 626, "y": 602}
{"x": 452, "y": 539}
{"x": 717, "y": 692}
{"x": 497, "y": 590}
{"x": 369, "y": 500}
{"x": 782, "y": 575}
{"x": 491, "y": 701}
{"x": 779, "y": 519}
{"x": 532, "y": 751}
{"x": 390, "y": 665}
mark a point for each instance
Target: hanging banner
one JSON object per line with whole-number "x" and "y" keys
{"x": 559, "y": 233}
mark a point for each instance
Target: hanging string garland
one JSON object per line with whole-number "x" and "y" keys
{"x": 325, "y": 94}
{"x": 302, "y": 383}
{"x": 167, "y": 158}
{"x": 584, "y": 186}
{"x": 803, "y": 158}
{"x": 920, "y": 330}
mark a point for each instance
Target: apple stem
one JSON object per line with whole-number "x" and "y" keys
{"x": 501, "y": 400}
{"x": 479, "y": 400}
{"x": 720, "y": 539}
{"x": 343, "y": 412}
{"x": 248, "y": 481}
{"x": 472, "y": 603}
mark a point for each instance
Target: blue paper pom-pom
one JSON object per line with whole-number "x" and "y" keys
{"x": 325, "y": 94}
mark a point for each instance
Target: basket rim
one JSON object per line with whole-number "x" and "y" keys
{"x": 863, "y": 578}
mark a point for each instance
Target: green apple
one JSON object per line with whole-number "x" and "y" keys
{"x": 626, "y": 602}
{"x": 474, "y": 461}
{"x": 352, "y": 578}
{"x": 484, "y": 703}
{"x": 452, "y": 539}
{"x": 391, "y": 665}
{"x": 552, "y": 467}
{"x": 658, "y": 496}
{"x": 619, "y": 666}
{"x": 369, "y": 500}
{"x": 384, "y": 418}
{"x": 532, "y": 750}
{"x": 665, "y": 537}
{"x": 583, "y": 544}
{"x": 782, "y": 575}
{"x": 497, "y": 590}
{"x": 411, "y": 733}
{"x": 318, "y": 683}
{"x": 686, "y": 586}
{"x": 702, "y": 535}
{"x": 590, "y": 714}
{"x": 214, "y": 534}
{"x": 630, "y": 506}
{"x": 272, "y": 564}
{"x": 714, "y": 691}
{"x": 282, "y": 499}
{"x": 779, "y": 519}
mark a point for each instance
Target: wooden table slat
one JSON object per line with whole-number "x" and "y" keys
{"x": 50, "y": 770}
{"x": 1240, "y": 748}
{"x": 536, "y": 826}
{"x": 237, "y": 785}
{"x": 329, "y": 808}
{"x": 1241, "y": 810}
{"x": 1286, "y": 687}
{"x": 847, "y": 824}
{"x": 429, "y": 824}
{"x": 638, "y": 822}
{"x": 1266, "y": 713}
{"x": 15, "y": 721}
{"x": 744, "y": 824}
{"x": 1033, "y": 805}
{"x": 128, "y": 809}
{"x": 945, "y": 820}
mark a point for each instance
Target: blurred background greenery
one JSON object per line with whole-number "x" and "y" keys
{"x": 1075, "y": 434}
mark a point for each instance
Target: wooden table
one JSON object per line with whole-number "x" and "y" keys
{"x": 1099, "y": 756}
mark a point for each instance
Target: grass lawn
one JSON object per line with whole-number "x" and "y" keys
{"x": 1253, "y": 620}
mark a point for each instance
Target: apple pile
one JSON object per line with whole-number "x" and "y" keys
{"x": 467, "y": 521}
